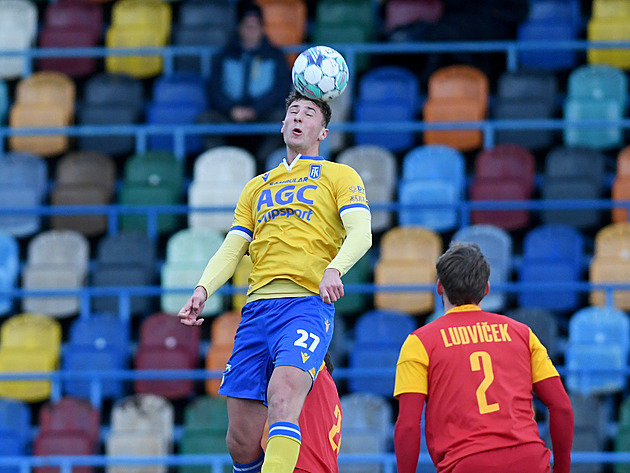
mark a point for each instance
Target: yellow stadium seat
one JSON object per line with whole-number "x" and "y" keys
{"x": 401, "y": 272}
{"x": 611, "y": 263}
{"x": 410, "y": 243}
{"x": 407, "y": 257}
{"x": 149, "y": 13}
{"x": 140, "y": 67}
{"x": 29, "y": 342}
{"x": 609, "y": 29}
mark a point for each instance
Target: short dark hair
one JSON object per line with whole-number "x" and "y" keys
{"x": 464, "y": 272}
{"x": 323, "y": 106}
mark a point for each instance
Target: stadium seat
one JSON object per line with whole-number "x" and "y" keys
{"x": 151, "y": 178}
{"x": 4, "y": 101}
{"x": 177, "y": 99}
{"x": 56, "y": 259}
{"x": 202, "y": 23}
{"x": 456, "y": 93}
{"x": 544, "y": 325}
{"x": 367, "y": 429}
{"x": 403, "y": 13}
{"x": 496, "y": 244}
{"x": 526, "y": 95}
{"x": 83, "y": 178}
{"x": 407, "y": 257}
{"x": 15, "y": 424}
{"x": 138, "y": 24}
{"x": 18, "y": 32}
{"x": 378, "y": 169}
{"x": 505, "y": 172}
{"x": 29, "y": 342}
{"x": 552, "y": 253}
{"x": 355, "y": 302}
{"x": 219, "y": 175}
{"x": 595, "y": 92}
{"x": 110, "y": 99}
{"x": 222, "y": 335}
{"x": 598, "y": 341}
{"x": 70, "y": 414}
{"x": 285, "y": 22}
{"x": 71, "y": 24}
{"x": 573, "y": 173}
{"x": 387, "y": 93}
{"x": 24, "y": 183}
{"x": 9, "y": 269}
{"x": 621, "y": 185}
{"x": 44, "y": 99}
{"x": 98, "y": 342}
{"x": 140, "y": 425}
{"x": 165, "y": 343}
{"x": 379, "y": 335}
{"x": 127, "y": 258}
{"x": 432, "y": 174}
{"x": 187, "y": 254}
{"x": 608, "y": 28}
{"x": 609, "y": 264}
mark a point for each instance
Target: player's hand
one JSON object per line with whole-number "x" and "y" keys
{"x": 331, "y": 287}
{"x": 189, "y": 314}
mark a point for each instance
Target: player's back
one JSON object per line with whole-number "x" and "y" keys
{"x": 479, "y": 382}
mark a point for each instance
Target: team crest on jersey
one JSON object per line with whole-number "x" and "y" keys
{"x": 315, "y": 172}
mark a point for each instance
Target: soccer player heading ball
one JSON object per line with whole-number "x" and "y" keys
{"x": 304, "y": 224}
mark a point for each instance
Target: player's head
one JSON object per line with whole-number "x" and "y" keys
{"x": 250, "y": 24}
{"x": 304, "y": 125}
{"x": 323, "y": 107}
{"x": 463, "y": 272}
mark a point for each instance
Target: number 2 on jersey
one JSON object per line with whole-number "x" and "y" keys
{"x": 481, "y": 360}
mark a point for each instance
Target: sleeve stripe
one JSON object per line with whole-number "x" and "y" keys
{"x": 354, "y": 207}
{"x": 242, "y": 231}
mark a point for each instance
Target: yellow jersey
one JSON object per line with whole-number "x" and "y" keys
{"x": 291, "y": 216}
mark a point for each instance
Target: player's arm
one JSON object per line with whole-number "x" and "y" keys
{"x": 219, "y": 269}
{"x": 552, "y": 393}
{"x": 358, "y": 226}
{"x": 407, "y": 431}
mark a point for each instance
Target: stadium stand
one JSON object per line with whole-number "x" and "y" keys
{"x": 527, "y": 93}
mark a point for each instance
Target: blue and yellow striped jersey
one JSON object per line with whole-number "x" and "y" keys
{"x": 292, "y": 217}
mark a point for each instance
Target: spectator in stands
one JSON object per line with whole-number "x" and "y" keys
{"x": 476, "y": 372}
{"x": 250, "y": 79}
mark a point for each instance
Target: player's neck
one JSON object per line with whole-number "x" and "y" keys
{"x": 293, "y": 154}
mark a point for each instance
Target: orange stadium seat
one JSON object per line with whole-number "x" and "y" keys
{"x": 456, "y": 93}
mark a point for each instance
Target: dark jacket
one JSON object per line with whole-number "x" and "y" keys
{"x": 258, "y": 79}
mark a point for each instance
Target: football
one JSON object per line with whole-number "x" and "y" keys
{"x": 320, "y": 72}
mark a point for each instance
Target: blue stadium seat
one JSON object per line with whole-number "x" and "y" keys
{"x": 23, "y": 183}
{"x": 496, "y": 244}
{"x": 547, "y": 30}
{"x": 98, "y": 342}
{"x": 387, "y": 93}
{"x": 432, "y": 174}
{"x": 552, "y": 253}
{"x": 599, "y": 341}
{"x": 379, "y": 335}
{"x": 9, "y": 269}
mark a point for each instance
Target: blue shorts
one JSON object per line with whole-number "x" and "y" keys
{"x": 294, "y": 331}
